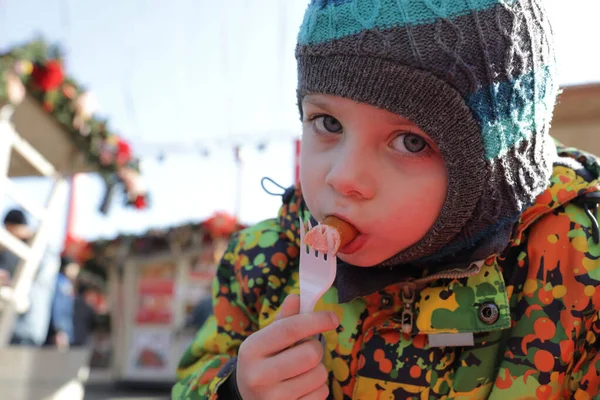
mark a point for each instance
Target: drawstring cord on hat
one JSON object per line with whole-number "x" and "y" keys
{"x": 262, "y": 183}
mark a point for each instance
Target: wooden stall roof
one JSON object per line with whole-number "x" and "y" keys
{"x": 186, "y": 237}
{"x": 46, "y": 135}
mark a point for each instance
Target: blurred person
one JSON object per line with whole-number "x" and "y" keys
{"x": 61, "y": 322}
{"x": 15, "y": 222}
{"x": 201, "y": 312}
{"x": 84, "y": 316}
{"x": 31, "y": 326}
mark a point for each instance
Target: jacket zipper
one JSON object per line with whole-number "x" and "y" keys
{"x": 409, "y": 290}
{"x": 408, "y": 301}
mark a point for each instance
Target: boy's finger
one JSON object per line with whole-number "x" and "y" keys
{"x": 284, "y": 333}
{"x": 306, "y": 355}
{"x": 310, "y": 385}
{"x": 290, "y": 306}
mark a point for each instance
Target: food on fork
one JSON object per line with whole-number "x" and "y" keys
{"x": 331, "y": 230}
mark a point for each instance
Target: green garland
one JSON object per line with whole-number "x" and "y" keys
{"x": 38, "y": 67}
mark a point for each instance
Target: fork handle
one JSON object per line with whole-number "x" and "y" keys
{"x": 307, "y": 303}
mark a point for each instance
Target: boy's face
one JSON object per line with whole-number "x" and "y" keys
{"x": 374, "y": 169}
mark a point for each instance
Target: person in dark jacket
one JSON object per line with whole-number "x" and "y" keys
{"x": 84, "y": 317}
{"x": 61, "y": 324}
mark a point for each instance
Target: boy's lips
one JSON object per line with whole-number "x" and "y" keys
{"x": 355, "y": 245}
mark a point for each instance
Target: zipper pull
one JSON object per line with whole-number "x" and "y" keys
{"x": 408, "y": 300}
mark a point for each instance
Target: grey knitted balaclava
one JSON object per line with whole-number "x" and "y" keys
{"x": 478, "y": 76}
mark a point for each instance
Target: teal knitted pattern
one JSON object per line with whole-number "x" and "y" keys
{"x": 512, "y": 111}
{"x": 479, "y": 76}
{"x": 345, "y": 18}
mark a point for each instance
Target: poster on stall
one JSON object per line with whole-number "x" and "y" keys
{"x": 203, "y": 266}
{"x": 150, "y": 351}
{"x": 199, "y": 282}
{"x": 155, "y": 293}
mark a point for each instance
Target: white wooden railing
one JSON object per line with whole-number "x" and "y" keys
{"x": 16, "y": 300}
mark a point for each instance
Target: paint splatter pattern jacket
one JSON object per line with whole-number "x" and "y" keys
{"x": 533, "y": 311}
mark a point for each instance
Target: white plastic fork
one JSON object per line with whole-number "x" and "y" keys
{"x": 317, "y": 272}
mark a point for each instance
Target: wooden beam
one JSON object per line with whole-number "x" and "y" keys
{"x": 31, "y": 154}
{"x": 14, "y": 245}
{"x": 5, "y": 148}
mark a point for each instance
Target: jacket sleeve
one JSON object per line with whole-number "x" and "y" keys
{"x": 562, "y": 284}
{"x": 589, "y": 363}
{"x": 210, "y": 360}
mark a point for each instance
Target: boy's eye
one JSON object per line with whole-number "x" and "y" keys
{"x": 328, "y": 123}
{"x": 409, "y": 142}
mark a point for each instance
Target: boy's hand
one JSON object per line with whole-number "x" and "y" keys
{"x": 269, "y": 369}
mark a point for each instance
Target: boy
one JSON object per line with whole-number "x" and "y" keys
{"x": 475, "y": 273}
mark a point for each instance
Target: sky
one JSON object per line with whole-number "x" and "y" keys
{"x": 189, "y": 80}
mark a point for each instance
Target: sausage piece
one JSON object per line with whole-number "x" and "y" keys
{"x": 333, "y": 230}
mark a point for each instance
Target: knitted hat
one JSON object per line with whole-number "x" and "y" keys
{"x": 478, "y": 76}
{"x": 15, "y": 217}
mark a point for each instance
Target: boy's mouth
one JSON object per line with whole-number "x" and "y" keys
{"x": 354, "y": 245}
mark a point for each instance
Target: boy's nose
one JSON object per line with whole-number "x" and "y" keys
{"x": 349, "y": 175}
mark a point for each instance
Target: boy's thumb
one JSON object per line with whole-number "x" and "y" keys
{"x": 290, "y": 306}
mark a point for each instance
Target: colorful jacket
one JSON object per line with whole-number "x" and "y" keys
{"x": 533, "y": 311}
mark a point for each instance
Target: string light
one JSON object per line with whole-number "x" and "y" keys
{"x": 205, "y": 146}
{"x": 65, "y": 19}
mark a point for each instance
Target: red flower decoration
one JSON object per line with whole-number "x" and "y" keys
{"x": 221, "y": 224}
{"x": 48, "y": 77}
{"x": 140, "y": 202}
{"x": 123, "y": 152}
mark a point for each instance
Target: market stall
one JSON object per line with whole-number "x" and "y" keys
{"x": 155, "y": 282}
{"x": 576, "y": 119}
{"x": 48, "y": 129}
